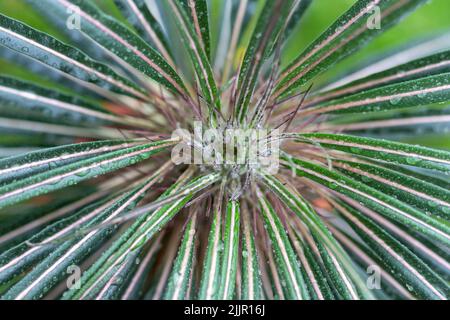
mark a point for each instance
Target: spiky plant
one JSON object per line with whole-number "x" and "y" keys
{"x": 99, "y": 193}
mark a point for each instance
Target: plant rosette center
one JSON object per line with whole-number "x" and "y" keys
{"x": 228, "y": 149}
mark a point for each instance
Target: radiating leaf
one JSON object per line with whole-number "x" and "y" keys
{"x": 38, "y": 161}
{"x": 285, "y": 257}
{"x": 198, "y": 11}
{"x": 230, "y": 252}
{"x": 73, "y": 173}
{"x": 197, "y": 53}
{"x": 431, "y": 65}
{"x": 424, "y": 91}
{"x": 120, "y": 41}
{"x": 210, "y": 278}
{"x": 54, "y": 267}
{"x": 33, "y": 102}
{"x": 390, "y": 151}
{"x": 422, "y": 194}
{"x": 349, "y": 33}
{"x": 251, "y": 273}
{"x": 407, "y": 268}
{"x": 145, "y": 227}
{"x": 374, "y": 199}
{"x": 265, "y": 36}
{"x": 138, "y": 14}
{"x": 177, "y": 285}
{"x": 295, "y": 17}
{"x": 306, "y": 213}
{"x": 314, "y": 270}
{"x": 68, "y": 60}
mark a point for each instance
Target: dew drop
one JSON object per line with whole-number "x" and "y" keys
{"x": 395, "y": 100}
{"x": 412, "y": 160}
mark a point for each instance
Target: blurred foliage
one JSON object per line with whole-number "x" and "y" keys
{"x": 431, "y": 19}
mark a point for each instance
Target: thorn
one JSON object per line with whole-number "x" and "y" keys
{"x": 298, "y": 107}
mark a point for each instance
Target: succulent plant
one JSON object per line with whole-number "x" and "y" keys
{"x": 93, "y": 205}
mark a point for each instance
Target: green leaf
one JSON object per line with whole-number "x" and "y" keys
{"x": 285, "y": 257}
{"x": 44, "y": 73}
{"x": 210, "y": 278}
{"x": 44, "y": 134}
{"x": 139, "y": 16}
{"x": 436, "y": 64}
{"x": 337, "y": 277}
{"x": 401, "y": 54}
{"x": 197, "y": 53}
{"x": 35, "y": 162}
{"x": 251, "y": 274}
{"x": 314, "y": 271}
{"x": 33, "y": 102}
{"x": 146, "y": 226}
{"x": 295, "y": 17}
{"x": 73, "y": 173}
{"x": 265, "y": 37}
{"x": 348, "y": 34}
{"x": 230, "y": 252}
{"x": 198, "y": 11}
{"x": 309, "y": 217}
{"x": 135, "y": 287}
{"x": 236, "y": 19}
{"x": 422, "y": 194}
{"x": 178, "y": 283}
{"x": 393, "y": 124}
{"x": 72, "y": 252}
{"x": 368, "y": 260}
{"x": 119, "y": 278}
{"x": 121, "y": 42}
{"x": 21, "y": 257}
{"x": 66, "y": 24}
{"x": 31, "y": 219}
{"x": 412, "y": 272}
{"x": 374, "y": 199}
{"x": 57, "y": 55}
{"x": 389, "y": 151}
{"x": 407, "y": 94}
